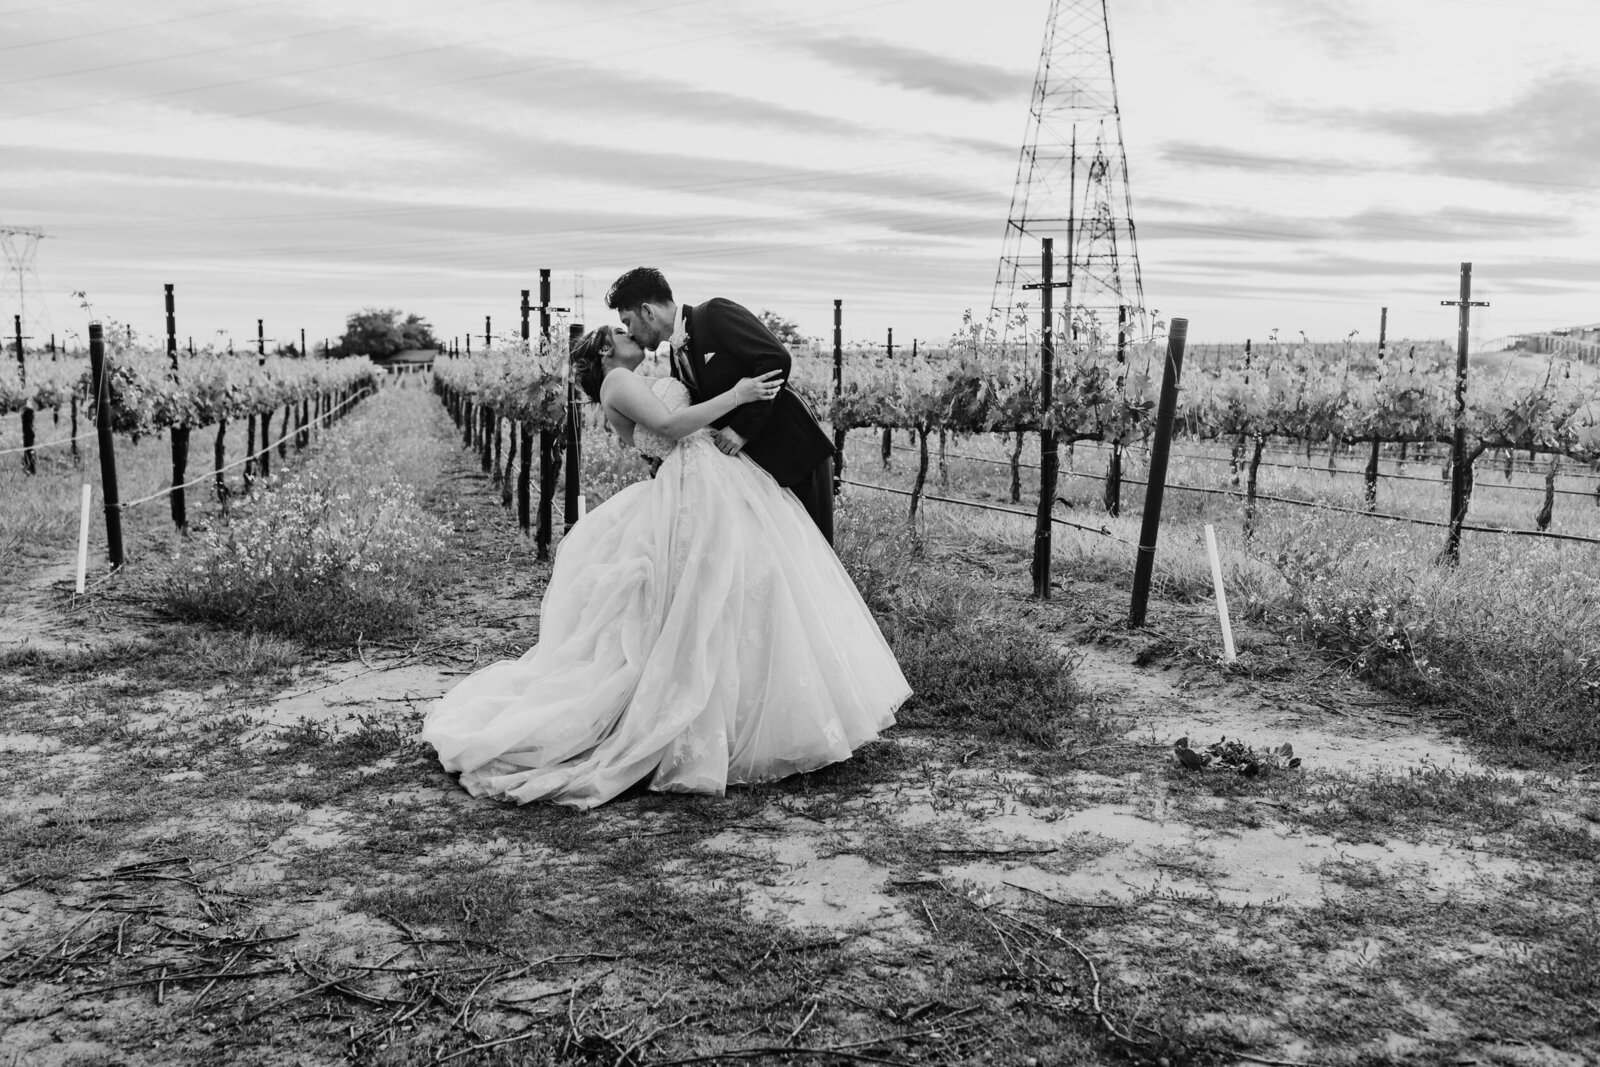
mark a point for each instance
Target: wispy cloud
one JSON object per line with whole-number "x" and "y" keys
{"x": 1448, "y": 224}
{"x": 1335, "y": 26}
{"x": 1226, "y": 157}
{"x": 912, "y": 68}
{"x": 1547, "y": 137}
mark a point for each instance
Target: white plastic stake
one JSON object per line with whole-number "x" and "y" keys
{"x": 1228, "y": 653}
{"x": 83, "y": 539}
{"x": 583, "y": 505}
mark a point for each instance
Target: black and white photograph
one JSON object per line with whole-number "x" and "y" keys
{"x": 639, "y": 533}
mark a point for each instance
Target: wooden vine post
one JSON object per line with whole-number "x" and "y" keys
{"x": 574, "y": 434}
{"x": 1460, "y": 467}
{"x": 838, "y": 393}
{"x": 100, "y": 382}
{"x": 180, "y": 434}
{"x": 549, "y": 440}
{"x": 1113, "y": 493}
{"x": 30, "y": 462}
{"x": 1049, "y": 452}
{"x": 525, "y": 442}
{"x": 888, "y": 435}
{"x": 1238, "y": 445}
{"x": 250, "y": 422}
{"x": 72, "y": 411}
{"x": 1372, "y": 458}
{"x": 1155, "y": 489}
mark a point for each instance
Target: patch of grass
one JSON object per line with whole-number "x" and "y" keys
{"x": 327, "y": 746}
{"x": 336, "y": 551}
{"x": 1507, "y": 636}
{"x": 971, "y": 665}
{"x": 998, "y": 681}
{"x": 1390, "y": 802}
{"x": 171, "y": 657}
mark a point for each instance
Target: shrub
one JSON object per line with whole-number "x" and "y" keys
{"x": 325, "y": 566}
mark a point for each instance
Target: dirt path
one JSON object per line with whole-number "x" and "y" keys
{"x": 268, "y": 869}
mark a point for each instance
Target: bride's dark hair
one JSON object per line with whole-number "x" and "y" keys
{"x": 586, "y": 355}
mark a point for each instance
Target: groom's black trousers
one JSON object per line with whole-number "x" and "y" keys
{"x": 816, "y": 496}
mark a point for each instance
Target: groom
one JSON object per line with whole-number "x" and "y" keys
{"x": 715, "y": 344}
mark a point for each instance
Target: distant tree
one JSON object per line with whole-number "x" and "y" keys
{"x": 379, "y": 333}
{"x": 417, "y": 333}
{"x": 781, "y": 328}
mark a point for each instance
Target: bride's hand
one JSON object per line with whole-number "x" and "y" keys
{"x": 752, "y": 390}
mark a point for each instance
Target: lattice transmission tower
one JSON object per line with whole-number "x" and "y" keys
{"x": 20, "y": 290}
{"x": 1072, "y": 183}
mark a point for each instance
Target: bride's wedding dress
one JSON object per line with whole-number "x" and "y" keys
{"x": 697, "y": 630}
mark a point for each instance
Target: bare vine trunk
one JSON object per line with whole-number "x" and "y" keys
{"x": 922, "y": 471}
{"x": 1542, "y": 518}
{"x": 1250, "y": 487}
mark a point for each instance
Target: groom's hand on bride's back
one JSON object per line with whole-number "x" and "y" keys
{"x": 730, "y": 441}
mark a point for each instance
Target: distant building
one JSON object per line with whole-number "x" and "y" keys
{"x": 1578, "y": 343}
{"x": 411, "y": 360}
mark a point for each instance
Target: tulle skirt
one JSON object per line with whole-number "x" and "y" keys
{"x": 696, "y": 630}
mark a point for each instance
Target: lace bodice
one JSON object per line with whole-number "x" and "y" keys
{"x": 674, "y": 394}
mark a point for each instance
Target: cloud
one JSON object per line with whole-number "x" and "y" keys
{"x": 1450, "y": 224}
{"x": 919, "y": 71}
{"x": 1444, "y": 225}
{"x": 1333, "y": 25}
{"x": 1562, "y": 273}
{"x": 985, "y": 148}
{"x": 1549, "y": 136}
{"x": 286, "y": 65}
{"x": 1233, "y": 226}
{"x": 1225, "y": 158}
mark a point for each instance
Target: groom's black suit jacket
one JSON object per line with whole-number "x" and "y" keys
{"x": 781, "y": 435}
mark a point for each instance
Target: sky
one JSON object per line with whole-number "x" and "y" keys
{"x": 1293, "y": 164}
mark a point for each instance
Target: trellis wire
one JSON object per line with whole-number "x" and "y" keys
{"x": 1101, "y": 530}
{"x": 1312, "y": 503}
{"x": 209, "y": 475}
{"x": 46, "y": 444}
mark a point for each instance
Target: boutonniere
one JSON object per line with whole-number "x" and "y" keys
{"x": 679, "y": 339}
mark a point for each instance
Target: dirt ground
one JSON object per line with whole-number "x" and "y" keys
{"x": 217, "y": 849}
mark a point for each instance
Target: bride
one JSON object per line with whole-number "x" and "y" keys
{"x": 697, "y": 629}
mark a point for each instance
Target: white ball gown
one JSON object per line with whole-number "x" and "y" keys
{"x": 697, "y": 629}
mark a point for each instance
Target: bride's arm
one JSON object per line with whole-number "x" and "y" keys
{"x": 630, "y": 396}
{"x": 620, "y": 423}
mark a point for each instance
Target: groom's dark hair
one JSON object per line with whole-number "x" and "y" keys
{"x": 641, "y": 285}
